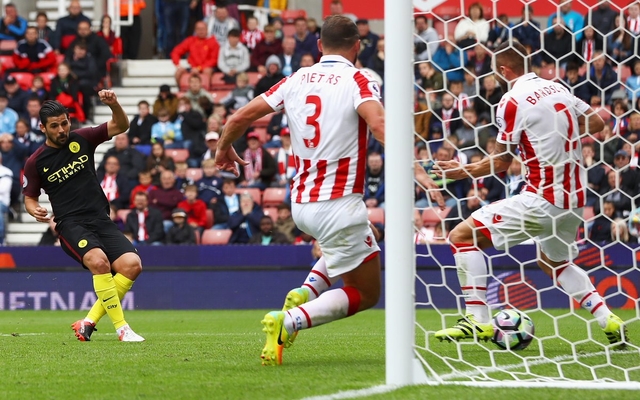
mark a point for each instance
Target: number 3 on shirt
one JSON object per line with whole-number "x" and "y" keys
{"x": 313, "y": 121}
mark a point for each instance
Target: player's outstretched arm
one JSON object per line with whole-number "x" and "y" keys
{"x": 119, "y": 122}
{"x": 427, "y": 183}
{"x": 238, "y": 123}
{"x": 498, "y": 161}
{"x": 33, "y": 207}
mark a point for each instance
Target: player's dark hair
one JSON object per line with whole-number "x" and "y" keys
{"x": 513, "y": 55}
{"x": 52, "y": 108}
{"x": 339, "y": 33}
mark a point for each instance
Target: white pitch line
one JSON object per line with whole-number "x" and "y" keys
{"x": 541, "y": 361}
{"x": 353, "y": 394}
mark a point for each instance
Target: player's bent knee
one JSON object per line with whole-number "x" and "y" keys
{"x": 129, "y": 265}
{"x": 97, "y": 262}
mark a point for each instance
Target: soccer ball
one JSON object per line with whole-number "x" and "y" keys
{"x": 512, "y": 329}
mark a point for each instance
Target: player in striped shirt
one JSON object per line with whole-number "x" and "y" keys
{"x": 329, "y": 107}
{"x": 544, "y": 121}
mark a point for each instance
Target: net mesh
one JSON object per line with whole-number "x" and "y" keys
{"x": 456, "y": 96}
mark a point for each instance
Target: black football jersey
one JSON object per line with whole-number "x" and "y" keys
{"x": 68, "y": 176}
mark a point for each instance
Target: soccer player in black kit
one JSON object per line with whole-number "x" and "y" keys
{"x": 64, "y": 167}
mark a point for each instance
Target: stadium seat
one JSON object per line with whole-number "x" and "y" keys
{"x": 6, "y": 62}
{"x": 210, "y": 219}
{"x": 271, "y": 212}
{"x": 59, "y": 58}
{"x": 376, "y": 215}
{"x": 625, "y": 73}
{"x": 588, "y": 214}
{"x": 254, "y": 77}
{"x": 254, "y": 192}
{"x": 288, "y": 30}
{"x": 273, "y": 196}
{"x": 25, "y": 79}
{"x": 274, "y": 151}
{"x": 216, "y": 236}
{"x": 194, "y": 173}
{"x": 218, "y": 95}
{"x": 122, "y": 214}
{"x": 46, "y": 78}
{"x": 7, "y": 46}
{"x": 218, "y": 83}
{"x": 433, "y": 215}
{"x": 178, "y": 155}
{"x": 289, "y": 16}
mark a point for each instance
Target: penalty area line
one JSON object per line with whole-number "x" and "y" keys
{"x": 354, "y": 394}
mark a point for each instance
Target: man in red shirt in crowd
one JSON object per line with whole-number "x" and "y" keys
{"x": 195, "y": 208}
{"x": 203, "y": 54}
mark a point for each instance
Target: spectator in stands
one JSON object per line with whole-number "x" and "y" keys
{"x": 467, "y": 206}
{"x": 603, "y": 80}
{"x": 621, "y": 117}
{"x": 286, "y": 164}
{"x": 225, "y": 205}
{"x": 527, "y": 31}
{"x": 167, "y": 132}
{"x": 158, "y": 162}
{"x": 251, "y": 36}
{"x": 630, "y": 176}
{"x": 500, "y": 32}
{"x": 289, "y": 60}
{"x": 211, "y": 140}
{"x": 233, "y": 57}
{"x": 131, "y": 160}
{"x": 8, "y": 116}
{"x": 32, "y": 116}
{"x": 264, "y": 49}
{"x": 44, "y": 31}
{"x": 429, "y": 77}
{"x": 241, "y": 94}
{"x": 161, "y": 30}
{"x": 472, "y": 28}
{"x": 285, "y": 224}
{"x": 67, "y": 27}
{"x": 12, "y": 26}
{"x": 278, "y": 122}
{"x": 374, "y": 181}
{"x": 195, "y": 208}
{"x": 210, "y": 185}
{"x": 32, "y": 54}
{"x": 376, "y": 63}
{"x": 193, "y": 128}
{"x": 107, "y": 33}
{"x": 613, "y": 191}
{"x": 28, "y": 139}
{"x": 133, "y": 32}
{"x": 595, "y": 173}
{"x": 425, "y": 43}
{"x": 307, "y": 61}
{"x": 261, "y": 170}
{"x": 96, "y": 46}
{"x": 600, "y": 231}
{"x": 176, "y": 21}
{"x": 480, "y": 62}
{"x": 306, "y": 42}
{"x": 14, "y": 155}
{"x": 17, "y": 96}
{"x": 181, "y": 232}
{"x": 602, "y": 18}
{"x": 632, "y": 83}
{"x": 576, "y": 82}
{"x": 590, "y": 43}
{"x": 515, "y": 179}
{"x": 166, "y": 197}
{"x": 115, "y": 184}
{"x": 335, "y": 8}
{"x": 198, "y": 95}
{"x": 490, "y": 95}
{"x": 557, "y": 45}
{"x": 633, "y": 19}
{"x": 268, "y": 235}
{"x": 246, "y": 221}
{"x": 447, "y": 60}
{"x": 84, "y": 67}
{"x": 312, "y": 26}
{"x": 182, "y": 180}
{"x": 467, "y": 134}
{"x": 202, "y": 54}
{"x": 146, "y": 186}
{"x": 571, "y": 19}
{"x": 140, "y": 127}
{"x": 166, "y": 100}
{"x": 421, "y": 235}
{"x": 6, "y": 182}
{"x": 368, "y": 42}
{"x": 448, "y": 117}
{"x": 633, "y": 130}
{"x": 273, "y": 75}
{"x": 144, "y": 222}
{"x": 38, "y": 89}
{"x": 221, "y": 24}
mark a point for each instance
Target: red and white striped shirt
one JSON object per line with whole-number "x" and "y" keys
{"x": 251, "y": 38}
{"x": 286, "y": 164}
{"x": 541, "y": 118}
{"x": 328, "y": 137}
{"x": 633, "y": 25}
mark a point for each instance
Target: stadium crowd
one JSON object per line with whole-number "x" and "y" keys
{"x": 161, "y": 179}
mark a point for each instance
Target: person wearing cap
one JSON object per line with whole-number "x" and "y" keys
{"x": 202, "y": 53}
{"x": 8, "y": 116}
{"x": 368, "y": 42}
{"x": 166, "y": 100}
{"x": 306, "y": 42}
{"x": 181, "y": 232}
{"x": 211, "y": 140}
{"x": 17, "y": 96}
{"x": 144, "y": 222}
{"x": 261, "y": 168}
{"x": 264, "y": 49}
{"x": 630, "y": 177}
{"x": 272, "y": 76}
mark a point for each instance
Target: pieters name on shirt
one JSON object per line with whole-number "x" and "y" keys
{"x": 317, "y": 77}
{"x": 65, "y": 172}
{"x": 544, "y": 92}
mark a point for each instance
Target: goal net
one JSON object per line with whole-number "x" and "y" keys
{"x": 454, "y": 95}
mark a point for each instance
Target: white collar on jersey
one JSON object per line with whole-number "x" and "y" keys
{"x": 334, "y": 59}
{"x": 525, "y": 77}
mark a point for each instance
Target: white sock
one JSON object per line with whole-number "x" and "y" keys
{"x": 318, "y": 280}
{"x": 576, "y": 283}
{"x": 472, "y": 275}
{"x": 330, "y": 306}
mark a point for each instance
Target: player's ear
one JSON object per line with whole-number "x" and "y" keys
{"x": 320, "y": 45}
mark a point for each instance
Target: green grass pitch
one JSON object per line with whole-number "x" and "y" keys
{"x": 215, "y": 355}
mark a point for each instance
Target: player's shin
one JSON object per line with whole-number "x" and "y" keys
{"x": 123, "y": 285}
{"x": 330, "y": 306}
{"x": 576, "y": 283}
{"x": 472, "y": 275}
{"x": 105, "y": 288}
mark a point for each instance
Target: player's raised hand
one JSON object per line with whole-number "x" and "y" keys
{"x": 226, "y": 161}
{"x": 41, "y": 214}
{"x": 426, "y": 182}
{"x": 450, "y": 170}
{"x": 108, "y": 97}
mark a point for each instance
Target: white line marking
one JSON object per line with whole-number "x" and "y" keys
{"x": 586, "y": 385}
{"x": 352, "y": 394}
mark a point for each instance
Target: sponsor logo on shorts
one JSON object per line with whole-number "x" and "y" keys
{"x": 74, "y": 147}
{"x": 83, "y": 243}
{"x": 368, "y": 241}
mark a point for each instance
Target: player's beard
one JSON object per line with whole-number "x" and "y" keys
{"x": 59, "y": 139}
